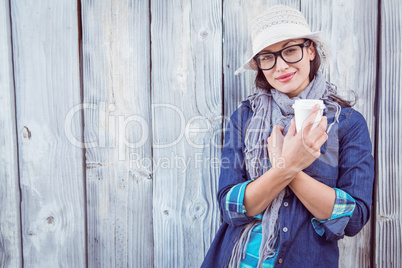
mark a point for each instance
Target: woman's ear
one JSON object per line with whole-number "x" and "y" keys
{"x": 311, "y": 52}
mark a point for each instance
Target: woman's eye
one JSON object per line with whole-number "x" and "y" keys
{"x": 267, "y": 58}
{"x": 290, "y": 51}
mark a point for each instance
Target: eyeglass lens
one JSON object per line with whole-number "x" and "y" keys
{"x": 291, "y": 54}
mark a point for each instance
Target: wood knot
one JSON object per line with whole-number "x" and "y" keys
{"x": 204, "y": 34}
{"x": 26, "y": 134}
{"x": 197, "y": 210}
{"x": 50, "y": 220}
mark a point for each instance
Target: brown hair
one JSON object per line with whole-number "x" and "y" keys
{"x": 262, "y": 83}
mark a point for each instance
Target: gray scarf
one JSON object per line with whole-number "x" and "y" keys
{"x": 269, "y": 109}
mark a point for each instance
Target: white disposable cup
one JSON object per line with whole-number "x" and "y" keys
{"x": 302, "y": 110}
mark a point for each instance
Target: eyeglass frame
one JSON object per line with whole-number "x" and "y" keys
{"x": 279, "y": 53}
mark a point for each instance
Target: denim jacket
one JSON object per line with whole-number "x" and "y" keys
{"x": 345, "y": 163}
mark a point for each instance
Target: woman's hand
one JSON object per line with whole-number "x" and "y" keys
{"x": 275, "y": 144}
{"x": 296, "y": 151}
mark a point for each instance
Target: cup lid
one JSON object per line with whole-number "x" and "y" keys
{"x": 308, "y": 103}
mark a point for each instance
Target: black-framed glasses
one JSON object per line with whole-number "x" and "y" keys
{"x": 290, "y": 54}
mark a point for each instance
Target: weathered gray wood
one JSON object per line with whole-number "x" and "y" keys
{"x": 46, "y": 68}
{"x": 388, "y": 240}
{"x": 10, "y": 222}
{"x": 116, "y": 83}
{"x": 187, "y": 103}
{"x": 186, "y": 63}
{"x": 237, "y": 47}
{"x": 350, "y": 29}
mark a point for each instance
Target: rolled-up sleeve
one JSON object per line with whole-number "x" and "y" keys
{"x": 341, "y": 213}
{"x": 356, "y": 176}
{"x": 233, "y": 170}
{"x": 235, "y": 202}
{"x": 234, "y": 199}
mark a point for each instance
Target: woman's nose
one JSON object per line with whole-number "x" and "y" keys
{"x": 281, "y": 64}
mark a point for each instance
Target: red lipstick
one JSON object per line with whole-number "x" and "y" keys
{"x": 285, "y": 77}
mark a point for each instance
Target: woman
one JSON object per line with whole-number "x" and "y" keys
{"x": 287, "y": 197}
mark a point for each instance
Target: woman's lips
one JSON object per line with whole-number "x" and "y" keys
{"x": 285, "y": 77}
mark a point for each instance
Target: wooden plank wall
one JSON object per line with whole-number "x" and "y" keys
{"x": 187, "y": 103}
{"x": 47, "y": 86}
{"x": 112, "y": 114}
{"x": 10, "y": 221}
{"x": 116, "y": 88}
{"x": 388, "y": 201}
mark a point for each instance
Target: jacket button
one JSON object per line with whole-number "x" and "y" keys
{"x": 285, "y": 229}
{"x": 286, "y": 204}
{"x": 280, "y": 260}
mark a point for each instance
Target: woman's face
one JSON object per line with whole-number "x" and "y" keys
{"x": 290, "y": 78}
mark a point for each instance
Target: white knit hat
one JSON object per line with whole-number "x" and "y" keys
{"x": 276, "y": 24}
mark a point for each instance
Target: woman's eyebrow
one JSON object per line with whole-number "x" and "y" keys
{"x": 284, "y": 45}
